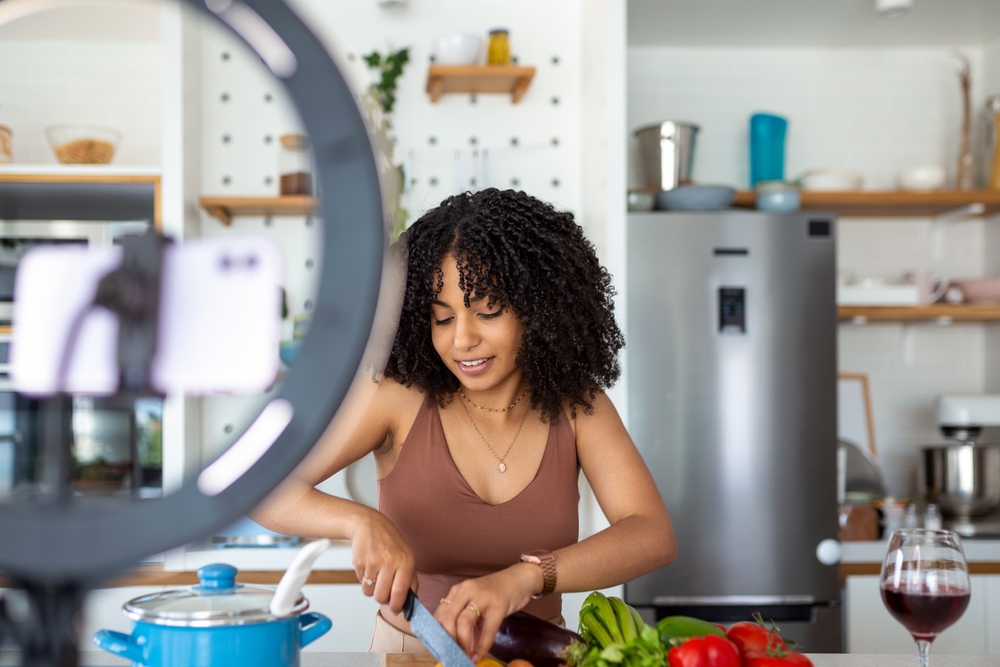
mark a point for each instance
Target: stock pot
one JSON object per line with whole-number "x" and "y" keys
{"x": 962, "y": 478}
{"x": 214, "y": 624}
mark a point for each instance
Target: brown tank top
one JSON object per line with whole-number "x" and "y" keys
{"x": 454, "y": 534}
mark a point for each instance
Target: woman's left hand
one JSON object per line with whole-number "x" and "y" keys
{"x": 474, "y": 609}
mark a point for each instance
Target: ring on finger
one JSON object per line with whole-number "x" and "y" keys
{"x": 366, "y": 581}
{"x": 473, "y": 607}
{"x": 445, "y": 601}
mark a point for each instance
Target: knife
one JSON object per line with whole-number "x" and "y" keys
{"x": 429, "y": 631}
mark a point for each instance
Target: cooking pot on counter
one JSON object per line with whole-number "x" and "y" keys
{"x": 962, "y": 478}
{"x": 213, "y": 624}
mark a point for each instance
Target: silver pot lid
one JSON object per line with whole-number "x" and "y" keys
{"x": 217, "y": 601}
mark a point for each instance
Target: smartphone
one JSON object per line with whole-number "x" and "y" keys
{"x": 218, "y": 332}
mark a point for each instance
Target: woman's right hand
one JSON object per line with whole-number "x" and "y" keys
{"x": 382, "y": 560}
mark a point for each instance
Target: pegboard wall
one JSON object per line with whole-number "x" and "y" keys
{"x": 464, "y": 142}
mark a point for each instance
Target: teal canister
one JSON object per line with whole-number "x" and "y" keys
{"x": 767, "y": 147}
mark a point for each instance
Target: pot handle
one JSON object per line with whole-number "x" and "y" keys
{"x": 312, "y": 626}
{"x": 119, "y": 644}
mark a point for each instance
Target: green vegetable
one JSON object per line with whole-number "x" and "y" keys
{"x": 644, "y": 650}
{"x": 624, "y": 619}
{"x": 593, "y": 632}
{"x": 685, "y": 627}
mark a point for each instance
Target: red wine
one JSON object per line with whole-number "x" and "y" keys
{"x": 923, "y": 614}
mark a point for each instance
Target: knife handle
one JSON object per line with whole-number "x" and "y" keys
{"x": 411, "y": 602}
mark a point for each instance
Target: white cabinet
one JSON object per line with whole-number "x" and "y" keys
{"x": 352, "y": 614}
{"x": 870, "y": 628}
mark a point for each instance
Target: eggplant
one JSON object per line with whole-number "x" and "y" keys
{"x": 541, "y": 643}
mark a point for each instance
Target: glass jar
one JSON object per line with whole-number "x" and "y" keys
{"x": 295, "y": 165}
{"x": 6, "y": 144}
{"x": 499, "y": 50}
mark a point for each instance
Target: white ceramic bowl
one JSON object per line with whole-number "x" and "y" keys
{"x": 457, "y": 49}
{"x": 831, "y": 179}
{"x": 922, "y": 179}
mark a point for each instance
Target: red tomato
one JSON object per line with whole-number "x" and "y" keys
{"x": 763, "y": 659}
{"x": 708, "y": 651}
{"x": 750, "y": 636}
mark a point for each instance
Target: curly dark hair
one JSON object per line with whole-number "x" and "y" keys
{"x": 516, "y": 250}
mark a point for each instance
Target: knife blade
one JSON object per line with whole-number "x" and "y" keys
{"x": 429, "y": 631}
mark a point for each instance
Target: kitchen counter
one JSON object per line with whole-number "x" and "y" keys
{"x": 101, "y": 659}
{"x": 976, "y": 551}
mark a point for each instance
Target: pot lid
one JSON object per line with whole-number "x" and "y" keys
{"x": 217, "y": 601}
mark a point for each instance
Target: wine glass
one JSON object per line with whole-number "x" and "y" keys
{"x": 925, "y": 583}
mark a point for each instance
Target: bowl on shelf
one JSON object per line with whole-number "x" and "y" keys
{"x": 922, "y": 179}
{"x": 830, "y": 179}
{"x": 696, "y": 198}
{"x": 457, "y": 49}
{"x": 979, "y": 290}
{"x": 776, "y": 197}
{"x": 641, "y": 201}
{"x": 83, "y": 144}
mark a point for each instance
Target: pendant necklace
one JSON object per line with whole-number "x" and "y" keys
{"x": 503, "y": 466}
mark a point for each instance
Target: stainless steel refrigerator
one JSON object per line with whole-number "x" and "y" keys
{"x": 732, "y": 380}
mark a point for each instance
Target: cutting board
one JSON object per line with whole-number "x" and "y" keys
{"x": 408, "y": 660}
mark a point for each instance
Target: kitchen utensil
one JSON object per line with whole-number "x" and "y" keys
{"x": 777, "y": 197}
{"x": 830, "y": 179}
{"x": 962, "y": 478}
{"x": 767, "y": 147}
{"x": 696, "y": 198}
{"x": 641, "y": 201}
{"x": 963, "y": 176}
{"x": 979, "y": 290}
{"x": 667, "y": 153}
{"x": 433, "y": 636}
{"x": 987, "y": 171}
{"x": 218, "y": 622}
{"x": 288, "y": 351}
{"x": 290, "y": 586}
{"x": 925, "y": 583}
{"x": 83, "y": 144}
{"x": 922, "y": 179}
{"x": 6, "y": 144}
{"x": 499, "y": 49}
{"x": 457, "y": 49}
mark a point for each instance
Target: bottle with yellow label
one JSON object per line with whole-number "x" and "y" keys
{"x": 499, "y": 51}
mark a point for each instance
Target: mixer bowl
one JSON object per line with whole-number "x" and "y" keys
{"x": 962, "y": 479}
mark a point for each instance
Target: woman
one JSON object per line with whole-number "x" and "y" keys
{"x": 490, "y": 406}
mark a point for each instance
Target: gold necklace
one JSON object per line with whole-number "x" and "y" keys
{"x": 503, "y": 466}
{"x": 483, "y": 407}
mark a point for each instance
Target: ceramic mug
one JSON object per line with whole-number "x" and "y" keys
{"x": 930, "y": 286}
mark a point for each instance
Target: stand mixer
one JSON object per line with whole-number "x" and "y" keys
{"x": 962, "y": 476}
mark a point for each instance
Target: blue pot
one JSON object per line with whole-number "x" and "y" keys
{"x": 215, "y": 624}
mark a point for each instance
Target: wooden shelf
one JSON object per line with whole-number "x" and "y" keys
{"x": 888, "y": 203}
{"x": 226, "y": 208}
{"x": 475, "y": 79}
{"x": 942, "y": 313}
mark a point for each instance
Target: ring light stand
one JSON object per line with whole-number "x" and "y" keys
{"x": 59, "y": 549}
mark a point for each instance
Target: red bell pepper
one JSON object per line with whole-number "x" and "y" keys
{"x": 708, "y": 651}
